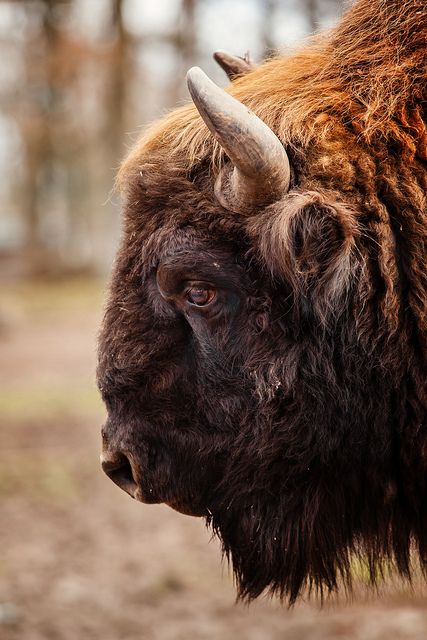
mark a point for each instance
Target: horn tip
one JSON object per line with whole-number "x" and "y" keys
{"x": 193, "y": 74}
{"x": 198, "y": 83}
{"x": 219, "y": 54}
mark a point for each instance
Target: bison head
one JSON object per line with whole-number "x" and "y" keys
{"x": 251, "y": 358}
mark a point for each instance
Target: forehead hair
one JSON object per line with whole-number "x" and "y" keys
{"x": 363, "y": 79}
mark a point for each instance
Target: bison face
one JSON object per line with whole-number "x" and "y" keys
{"x": 233, "y": 395}
{"x": 250, "y": 360}
{"x": 177, "y": 392}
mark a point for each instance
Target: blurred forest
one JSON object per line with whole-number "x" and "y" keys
{"x": 79, "y": 558}
{"x": 78, "y": 79}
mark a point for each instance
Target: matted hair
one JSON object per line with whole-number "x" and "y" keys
{"x": 348, "y": 242}
{"x": 366, "y": 76}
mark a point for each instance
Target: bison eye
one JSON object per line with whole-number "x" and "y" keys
{"x": 199, "y": 296}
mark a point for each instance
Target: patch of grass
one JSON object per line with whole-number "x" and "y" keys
{"x": 35, "y": 403}
{"x": 163, "y": 586}
{"x": 361, "y": 571}
{"x": 41, "y": 297}
{"x": 36, "y": 478}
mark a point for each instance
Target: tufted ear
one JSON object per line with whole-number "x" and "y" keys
{"x": 308, "y": 239}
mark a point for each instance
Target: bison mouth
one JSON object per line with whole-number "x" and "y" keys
{"x": 123, "y": 470}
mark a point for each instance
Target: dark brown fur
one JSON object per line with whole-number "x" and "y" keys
{"x": 295, "y": 420}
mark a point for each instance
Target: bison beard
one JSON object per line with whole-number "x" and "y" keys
{"x": 262, "y": 356}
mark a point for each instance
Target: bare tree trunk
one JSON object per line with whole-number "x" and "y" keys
{"x": 35, "y": 159}
{"x": 188, "y": 33}
{"x": 268, "y": 10}
{"x": 103, "y": 224}
{"x": 311, "y": 10}
{"x": 37, "y": 136}
{"x": 184, "y": 41}
{"x": 118, "y": 80}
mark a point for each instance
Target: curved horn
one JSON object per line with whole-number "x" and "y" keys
{"x": 233, "y": 65}
{"x": 261, "y": 172}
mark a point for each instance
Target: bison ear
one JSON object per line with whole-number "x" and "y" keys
{"x": 234, "y": 66}
{"x": 309, "y": 241}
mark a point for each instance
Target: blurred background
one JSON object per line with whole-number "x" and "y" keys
{"x": 79, "y": 80}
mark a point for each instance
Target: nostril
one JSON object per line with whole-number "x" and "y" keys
{"x": 118, "y": 468}
{"x": 112, "y": 463}
{"x": 122, "y": 474}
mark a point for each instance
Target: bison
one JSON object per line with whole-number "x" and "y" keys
{"x": 263, "y": 353}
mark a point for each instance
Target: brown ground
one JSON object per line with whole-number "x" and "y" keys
{"x": 79, "y": 559}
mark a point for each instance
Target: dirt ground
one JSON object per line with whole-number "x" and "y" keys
{"x": 79, "y": 559}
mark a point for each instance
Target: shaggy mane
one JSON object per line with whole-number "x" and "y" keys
{"x": 367, "y": 74}
{"x": 336, "y": 348}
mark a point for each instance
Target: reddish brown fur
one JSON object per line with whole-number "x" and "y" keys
{"x": 330, "y": 351}
{"x": 353, "y": 102}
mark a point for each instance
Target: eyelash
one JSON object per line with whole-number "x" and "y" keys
{"x": 211, "y": 294}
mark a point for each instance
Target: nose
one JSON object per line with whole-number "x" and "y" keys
{"x": 118, "y": 467}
